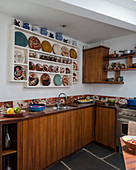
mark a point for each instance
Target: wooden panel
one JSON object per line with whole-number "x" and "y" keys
{"x": 87, "y": 125}
{"x": 19, "y": 146}
{"x": 93, "y": 65}
{"x": 31, "y": 144}
{"x": 105, "y": 126}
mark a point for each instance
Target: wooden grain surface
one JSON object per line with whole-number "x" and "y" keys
{"x": 129, "y": 156}
{"x": 105, "y": 126}
{"x": 93, "y": 65}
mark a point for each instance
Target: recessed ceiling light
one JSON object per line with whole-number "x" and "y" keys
{"x": 64, "y": 26}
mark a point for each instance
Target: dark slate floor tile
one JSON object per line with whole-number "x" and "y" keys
{"x": 58, "y": 166}
{"x": 98, "y": 150}
{"x": 116, "y": 160}
{"x": 82, "y": 160}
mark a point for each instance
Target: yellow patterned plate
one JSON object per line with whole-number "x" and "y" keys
{"x": 46, "y": 46}
{"x": 73, "y": 53}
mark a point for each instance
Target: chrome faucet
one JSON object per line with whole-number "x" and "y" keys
{"x": 58, "y": 103}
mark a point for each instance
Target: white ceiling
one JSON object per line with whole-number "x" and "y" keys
{"x": 80, "y": 28}
{"x": 130, "y": 4}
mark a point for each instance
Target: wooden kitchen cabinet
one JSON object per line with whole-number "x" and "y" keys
{"x": 31, "y": 144}
{"x": 64, "y": 133}
{"x": 93, "y": 64}
{"x": 105, "y": 126}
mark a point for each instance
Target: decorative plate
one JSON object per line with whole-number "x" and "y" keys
{"x": 31, "y": 65}
{"x": 46, "y": 46}
{"x": 20, "y": 39}
{"x": 45, "y": 68}
{"x": 57, "y": 80}
{"x": 56, "y": 69}
{"x": 75, "y": 67}
{"x": 73, "y": 53}
{"x": 19, "y": 57}
{"x": 34, "y": 43}
{"x": 65, "y": 51}
{"x": 62, "y": 70}
{"x": 45, "y": 79}
{"x": 51, "y": 68}
{"x": 57, "y": 49}
{"x": 19, "y": 73}
{"x": 33, "y": 79}
{"x": 39, "y": 67}
{"x": 65, "y": 80}
{"x": 67, "y": 70}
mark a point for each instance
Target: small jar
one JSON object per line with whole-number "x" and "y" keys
{"x": 35, "y": 28}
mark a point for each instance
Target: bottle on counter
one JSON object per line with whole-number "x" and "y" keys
{"x": 7, "y": 140}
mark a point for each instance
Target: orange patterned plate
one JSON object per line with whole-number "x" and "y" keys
{"x": 46, "y": 46}
{"x": 34, "y": 43}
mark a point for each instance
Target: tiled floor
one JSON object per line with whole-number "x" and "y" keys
{"x": 92, "y": 157}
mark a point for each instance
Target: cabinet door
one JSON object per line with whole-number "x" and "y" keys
{"x": 87, "y": 125}
{"x": 105, "y": 126}
{"x": 89, "y": 66}
{"x": 31, "y": 144}
{"x": 93, "y": 64}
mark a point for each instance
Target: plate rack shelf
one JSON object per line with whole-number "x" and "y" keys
{"x": 65, "y": 63}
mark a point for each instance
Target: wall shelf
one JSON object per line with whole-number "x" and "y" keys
{"x": 120, "y": 57}
{"x": 54, "y": 59}
{"x": 8, "y": 152}
{"x": 123, "y": 69}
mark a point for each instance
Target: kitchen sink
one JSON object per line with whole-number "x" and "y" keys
{"x": 60, "y": 108}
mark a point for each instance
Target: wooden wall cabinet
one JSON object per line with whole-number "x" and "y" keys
{"x": 93, "y": 64}
{"x": 105, "y": 132}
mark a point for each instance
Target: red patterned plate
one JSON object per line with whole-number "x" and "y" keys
{"x": 34, "y": 43}
{"x": 65, "y": 80}
{"x": 45, "y": 79}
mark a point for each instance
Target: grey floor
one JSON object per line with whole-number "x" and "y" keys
{"x": 92, "y": 157}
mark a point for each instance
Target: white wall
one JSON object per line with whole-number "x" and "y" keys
{"x": 16, "y": 91}
{"x": 128, "y": 89}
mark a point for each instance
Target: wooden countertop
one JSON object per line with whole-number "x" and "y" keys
{"x": 47, "y": 111}
{"x": 129, "y": 156}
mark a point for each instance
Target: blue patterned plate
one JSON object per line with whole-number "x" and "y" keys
{"x": 20, "y": 39}
{"x": 57, "y": 80}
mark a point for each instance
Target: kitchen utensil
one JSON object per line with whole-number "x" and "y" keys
{"x": 20, "y": 39}
{"x": 131, "y": 102}
{"x": 34, "y": 43}
{"x": 126, "y": 52}
{"x": 36, "y": 107}
{"x": 73, "y": 53}
{"x": 19, "y": 73}
{"x": 45, "y": 79}
{"x": 33, "y": 79}
{"x": 46, "y": 46}
{"x": 57, "y": 80}
{"x": 57, "y": 49}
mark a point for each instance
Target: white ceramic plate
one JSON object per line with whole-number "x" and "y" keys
{"x": 19, "y": 57}
{"x": 57, "y": 49}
